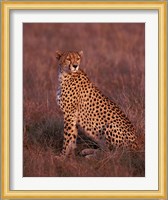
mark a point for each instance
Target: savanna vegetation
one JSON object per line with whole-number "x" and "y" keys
{"x": 114, "y": 59}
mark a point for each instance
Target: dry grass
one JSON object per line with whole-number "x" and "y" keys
{"x": 114, "y": 61}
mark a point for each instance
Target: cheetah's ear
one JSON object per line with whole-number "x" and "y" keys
{"x": 80, "y": 53}
{"x": 58, "y": 54}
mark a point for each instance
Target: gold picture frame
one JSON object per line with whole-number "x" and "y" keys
{"x": 7, "y": 6}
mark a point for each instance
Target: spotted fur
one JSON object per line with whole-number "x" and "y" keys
{"x": 84, "y": 105}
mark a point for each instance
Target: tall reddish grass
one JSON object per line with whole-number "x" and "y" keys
{"x": 114, "y": 59}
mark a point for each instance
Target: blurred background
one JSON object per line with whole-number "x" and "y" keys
{"x": 114, "y": 60}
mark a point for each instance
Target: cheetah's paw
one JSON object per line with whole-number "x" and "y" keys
{"x": 90, "y": 153}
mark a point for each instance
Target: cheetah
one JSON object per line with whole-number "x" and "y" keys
{"x": 83, "y": 105}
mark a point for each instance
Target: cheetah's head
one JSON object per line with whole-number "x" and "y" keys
{"x": 69, "y": 61}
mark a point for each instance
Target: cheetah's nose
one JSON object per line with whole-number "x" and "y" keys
{"x": 75, "y": 66}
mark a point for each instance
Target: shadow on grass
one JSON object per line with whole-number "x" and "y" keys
{"x": 43, "y": 141}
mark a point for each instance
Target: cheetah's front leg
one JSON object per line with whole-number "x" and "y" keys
{"x": 70, "y": 134}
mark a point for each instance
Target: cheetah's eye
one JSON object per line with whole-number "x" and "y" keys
{"x": 78, "y": 58}
{"x": 68, "y": 59}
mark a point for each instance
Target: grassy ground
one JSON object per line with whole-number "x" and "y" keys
{"x": 114, "y": 59}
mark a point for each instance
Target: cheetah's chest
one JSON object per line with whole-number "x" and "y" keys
{"x": 67, "y": 94}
